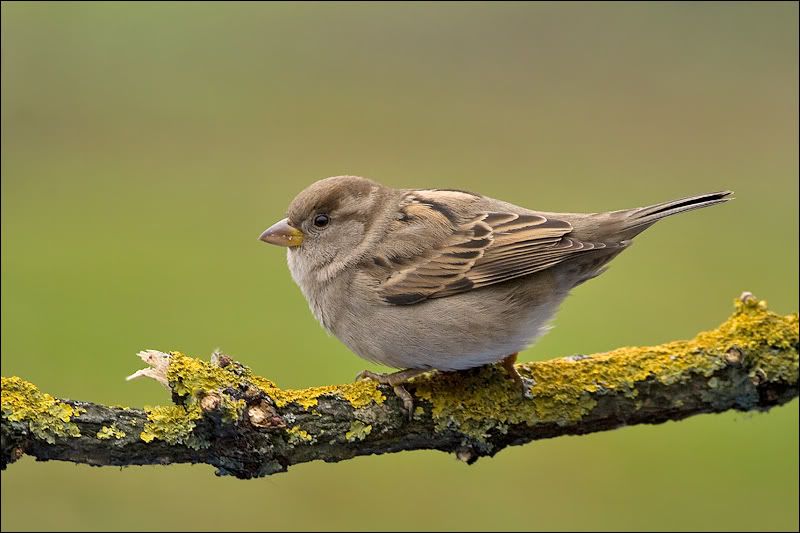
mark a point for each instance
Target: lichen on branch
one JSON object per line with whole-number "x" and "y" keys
{"x": 245, "y": 425}
{"x": 45, "y": 417}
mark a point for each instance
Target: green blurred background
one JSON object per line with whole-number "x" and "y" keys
{"x": 145, "y": 147}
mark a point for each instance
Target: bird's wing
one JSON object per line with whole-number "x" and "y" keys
{"x": 464, "y": 253}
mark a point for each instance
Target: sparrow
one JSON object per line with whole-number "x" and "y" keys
{"x": 445, "y": 279}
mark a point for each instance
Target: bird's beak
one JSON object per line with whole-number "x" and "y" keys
{"x": 283, "y": 234}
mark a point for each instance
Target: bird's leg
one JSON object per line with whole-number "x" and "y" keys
{"x": 396, "y": 380}
{"x": 526, "y": 384}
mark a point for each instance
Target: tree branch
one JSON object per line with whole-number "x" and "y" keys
{"x": 245, "y": 426}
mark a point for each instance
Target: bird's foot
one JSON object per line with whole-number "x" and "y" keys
{"x": 525, "y": 384}
{"x": 396, "y": 380}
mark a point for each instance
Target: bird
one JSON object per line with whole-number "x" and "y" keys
{"x": 445, "y": 279}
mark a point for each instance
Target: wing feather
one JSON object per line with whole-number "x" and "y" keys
{"x": 481, "y": 250}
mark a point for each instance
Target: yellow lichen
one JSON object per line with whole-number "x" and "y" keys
{"x": 298, "y": 435}
{"x": 477, "y": 401}
{"x": 112, "y": 432}
{"x": 173, "y": 424}
{"x": 193, "y": 380}
{"x": 189, "y": 376}
{"x": 358, "y": 431}
{"x": 231, "y": 409}
{"x": 768, "y": 338}
{"x": 46, "y": 416}
{"x": 359, "y": 394}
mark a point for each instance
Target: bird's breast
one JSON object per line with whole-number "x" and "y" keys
{"x": 318, "y": 294}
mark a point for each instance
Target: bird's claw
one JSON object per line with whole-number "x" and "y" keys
{"x": 524, "y": 383}
{"x": 368, "y": 374}
{"x": 395, "y": 380}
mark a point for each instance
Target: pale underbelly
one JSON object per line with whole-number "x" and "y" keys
{"x": 453, "y": 333}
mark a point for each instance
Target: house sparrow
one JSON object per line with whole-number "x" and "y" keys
{"x": 445, "y": 279}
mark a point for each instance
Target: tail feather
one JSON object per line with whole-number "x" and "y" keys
{"x": 643, "y": 217}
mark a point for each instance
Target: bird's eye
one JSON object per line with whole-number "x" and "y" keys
{"x": 321, "y": 221}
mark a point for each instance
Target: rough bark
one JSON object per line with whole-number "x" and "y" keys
{"x": 245, "y": 426}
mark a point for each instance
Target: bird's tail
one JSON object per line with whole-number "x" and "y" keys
{"x": 634, "y": 221}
